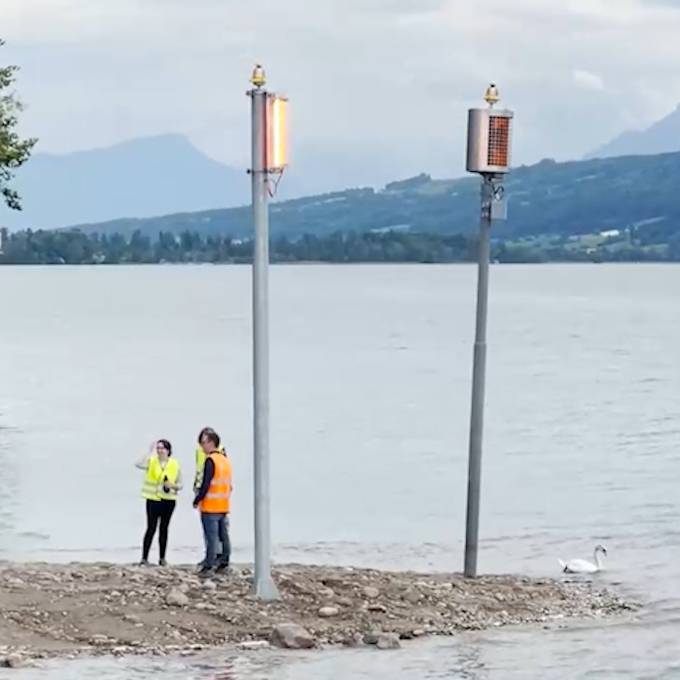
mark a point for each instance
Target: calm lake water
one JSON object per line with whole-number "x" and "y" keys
{"x": 370, "y": 407}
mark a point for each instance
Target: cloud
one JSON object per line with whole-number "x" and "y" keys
{"x": 587, "y": 80}
{"x": 377, "y": 85}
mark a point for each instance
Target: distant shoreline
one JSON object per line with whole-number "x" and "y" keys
{"x": 71, "y": 610}
{"x": 372, "y": 247}
{"x": 325, "y": 263}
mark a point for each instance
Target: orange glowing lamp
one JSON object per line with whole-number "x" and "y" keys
{"x": 277, "y": 133}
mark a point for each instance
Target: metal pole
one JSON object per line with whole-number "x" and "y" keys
{"x": 264, "y": 585}
{"x": 478, "y": 382}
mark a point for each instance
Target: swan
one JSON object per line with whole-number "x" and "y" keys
{"x": 578, "y": 566}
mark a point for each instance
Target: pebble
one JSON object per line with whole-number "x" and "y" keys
{"x": 254, "y": 645}
{"x": 328, "y": 612}
{"x": 292, "y": 636}
{"x": 372, "y": 637}
{"x": 176, "y": 598}
{"x": 14, "y": 661}
{"x": 412, "y": 596}
{"x": 388, "y": 641}
{"x": 371, "y": 593}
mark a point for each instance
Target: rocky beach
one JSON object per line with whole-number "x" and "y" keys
{"x": 94, "y": 609}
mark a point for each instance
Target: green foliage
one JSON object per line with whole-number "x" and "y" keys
{"x": 75, "y": 247}
{"x": 14, "y": 151}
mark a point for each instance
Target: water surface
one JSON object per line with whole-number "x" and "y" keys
{"x": 370, "y": 407}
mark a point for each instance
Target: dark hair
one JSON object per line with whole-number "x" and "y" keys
{"x": 166, "y": 445}
{"x": 213, "y": 437}
{"x": 203, "y": 432}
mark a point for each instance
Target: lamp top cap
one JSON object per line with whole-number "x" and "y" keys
{"x": 258, "y": 77}
{"x": 492, "y": 96}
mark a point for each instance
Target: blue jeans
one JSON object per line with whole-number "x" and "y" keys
{"x": 215, "y": 531}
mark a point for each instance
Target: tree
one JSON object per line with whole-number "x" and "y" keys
{"x": 14, "y": 151}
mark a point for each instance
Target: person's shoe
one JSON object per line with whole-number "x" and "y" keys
{"x": 204, "y": 570}
{"x": 144, "y": 563}
{"x": 222, "y": 568}
{"x": 162, "y": 563}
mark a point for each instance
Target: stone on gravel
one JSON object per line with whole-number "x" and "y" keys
{"x": 254, "y": 645}
{"x": 412, "y": 596}
{"x": 372, "y": 637}
{"x": 176, "y": 598}
{"x": 14, "y": 661}
{"x": 292, "y": 636}
{"x": 371, "y": 593}
{"x": 354, "y": 641}
{"x": 328, "y": 612}
{"x": 388, "y": 641}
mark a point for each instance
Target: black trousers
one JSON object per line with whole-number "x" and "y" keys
{"x": 157, "y": 511}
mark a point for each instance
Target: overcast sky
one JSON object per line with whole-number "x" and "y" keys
{"x": 378, "y": 88}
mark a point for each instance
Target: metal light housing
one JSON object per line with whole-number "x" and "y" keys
{"x": 489, "y": 140}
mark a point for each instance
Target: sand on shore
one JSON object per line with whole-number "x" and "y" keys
{"x": 68, "y": 610}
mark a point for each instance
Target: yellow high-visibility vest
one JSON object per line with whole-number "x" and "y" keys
{"x": 152, "y": 489}
{"x": 172, "y": 473}
{"x": 200, "y": 463}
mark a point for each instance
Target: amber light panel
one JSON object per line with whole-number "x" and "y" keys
{"x": 499, "y": 141}
{"x": 277, "y": 133}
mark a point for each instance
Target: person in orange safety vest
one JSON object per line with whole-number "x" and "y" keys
{"x": 213, "y": 499}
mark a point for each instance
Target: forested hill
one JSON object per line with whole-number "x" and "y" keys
{"x": 549, "y": 198}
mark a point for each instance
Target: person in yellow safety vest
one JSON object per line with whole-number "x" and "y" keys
{"x": 213, "y": 499}
{"x": 200, "y": 458}
{"x": 162, "y": 481}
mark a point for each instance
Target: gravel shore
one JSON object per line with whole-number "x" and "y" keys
{"x": 77, "y": 609}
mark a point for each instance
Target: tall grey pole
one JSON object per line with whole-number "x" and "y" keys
{"x": 264, "y": 585}
{"x": 478, "y": 382}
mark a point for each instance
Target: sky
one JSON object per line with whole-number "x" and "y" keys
{"x": 378, "y": 88}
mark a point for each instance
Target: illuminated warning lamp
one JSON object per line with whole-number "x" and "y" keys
{"x": 277, "y": 133}
{"x": 489, "y": 137}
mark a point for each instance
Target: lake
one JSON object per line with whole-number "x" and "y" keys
{"x": 371, "y": 370}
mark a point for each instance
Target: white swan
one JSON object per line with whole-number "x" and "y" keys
{"x": 578, "y": 566}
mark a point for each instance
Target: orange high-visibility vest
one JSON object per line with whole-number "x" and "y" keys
{"x": 219, "y": 491}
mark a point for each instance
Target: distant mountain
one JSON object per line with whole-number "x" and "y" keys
{"x": 141, "y": 177}
{"x": 549, "y": 198}
{"x": 662, "y": 137}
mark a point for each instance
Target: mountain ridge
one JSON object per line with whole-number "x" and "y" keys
{"x": 548, "y": 198}
{"x": 141, "y": 177}
{"x": 663, "y": 136}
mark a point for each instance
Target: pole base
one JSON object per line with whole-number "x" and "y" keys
{"x": 266, "y": 590}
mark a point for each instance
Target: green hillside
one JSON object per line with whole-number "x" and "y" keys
{"x": 638, "y": 193}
